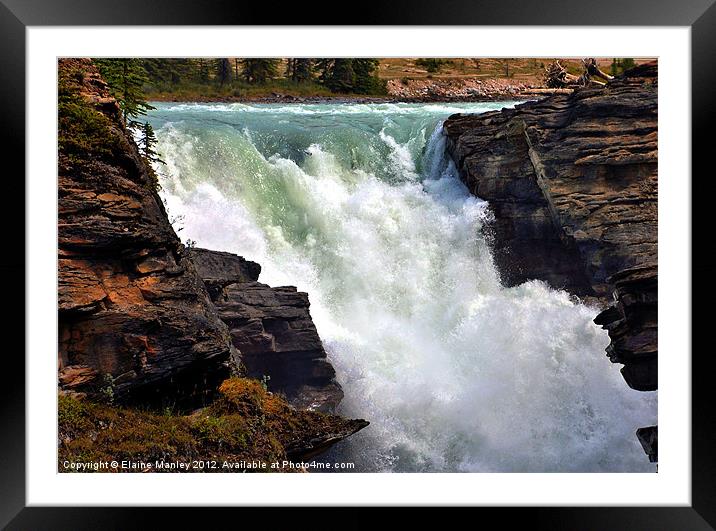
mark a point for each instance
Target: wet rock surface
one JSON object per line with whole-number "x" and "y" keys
{"x": 572, "y": 184}
{"x": 632, "y": 325}
{"x": 272, "y": 328}
{"x": 648, "y": 437}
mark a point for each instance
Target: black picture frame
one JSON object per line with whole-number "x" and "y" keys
{"x": 16, "y": 15}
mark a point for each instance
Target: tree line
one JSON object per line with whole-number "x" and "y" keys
{"x": 129, "y": 78}
{"x": 341, "y": 75}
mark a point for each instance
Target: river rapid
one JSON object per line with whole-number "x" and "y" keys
{"x": 358, "y": 205}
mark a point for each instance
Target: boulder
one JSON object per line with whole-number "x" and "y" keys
{"x": 648, "y": 437}
{"x": 273, "y": 329}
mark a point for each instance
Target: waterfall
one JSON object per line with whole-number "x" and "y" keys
{"x": 358, "y": 205}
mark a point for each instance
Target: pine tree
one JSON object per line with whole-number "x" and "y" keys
{"x": 290, "y": 69}
{"x": 259, "y": 70}
{"x": 223, "y": 71}
{"x": 342, "y": 76}
{"x": 324, "y": 66}
{"x": 202, "y": 70}
{"x": 366, "y": 80}
{"x": 619, "y": 66}
{"x": 431, "y": 64}
{"x": 126, "y": 78}
{"x": 349, "y": 75}
{"x": 615, "y": 67}
{"x": 299, "y": 70}
{"x": 627, "y": 64}
{"x": 336, "y": 74}
{"x": 171, "y": 70}
{"x": 302, "y": 70}
{"x": 147, "y": 141}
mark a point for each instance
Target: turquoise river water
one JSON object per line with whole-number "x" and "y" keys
{"x": 358, "y": 205}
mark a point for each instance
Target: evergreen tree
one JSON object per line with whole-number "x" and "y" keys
{"x": 342, "y": 76}
{"x": 431, "y": 64}
{"x": 171, "y": 70}
{"x": 126, "y": 79}
{"x": 302, "y": 70}
{"x": 147, "y": 141}
{"x": 336, "y": 74}
{"x": 324, "y": 66}
{"x": 627, "y": 63}
{"x": 290, "y": 69}
{"x": 202, "y": 70}
{"x": 299, "y": 70}
{"x": 348, "y": 75}
{"x": 223, "y": 71}
{"x": 615, "y": 67}
{"x": 366, "y": 80}
{"x": 259, "y": 70}
{"x": 619, "y": 66}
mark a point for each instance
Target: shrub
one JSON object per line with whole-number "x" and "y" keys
{"x": 83, "y": 132}
{"x": 433, "y": 65}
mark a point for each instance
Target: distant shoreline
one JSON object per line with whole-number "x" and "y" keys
{"x": 397, "y": 91}
{"x": 165, "y": 98}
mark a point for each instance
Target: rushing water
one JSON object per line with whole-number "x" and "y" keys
{"x": 358, "y": 205}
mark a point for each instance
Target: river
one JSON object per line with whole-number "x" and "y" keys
{"x": 358, "y": 205}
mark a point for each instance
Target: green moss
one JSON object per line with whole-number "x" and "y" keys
{"x": 241, "y": 395}
{"x": 245, "y": 423}
{"x": 73, "y": 414}
{"x": 225, "y": 431}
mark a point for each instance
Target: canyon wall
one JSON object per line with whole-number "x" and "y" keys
{"x": 572, "y": 185}
{"x": 134, "y": 318}
{"x": 138, "y": 324}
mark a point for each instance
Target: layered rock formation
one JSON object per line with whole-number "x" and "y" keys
{"x": 272, "y": 328}
{"x": 137, "y": 323}
{"x": 572, "y": 183}
{"x": 633, "y": 327}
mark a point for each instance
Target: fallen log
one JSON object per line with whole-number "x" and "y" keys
{"x": 556, "y": 75}
{"x": 591, "y": 66}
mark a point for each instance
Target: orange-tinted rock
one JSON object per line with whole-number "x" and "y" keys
{"x": 133, "y": 314}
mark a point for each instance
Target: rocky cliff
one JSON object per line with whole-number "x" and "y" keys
{"x": 272, "y": 328}
{"x": 572, "y": 184}
{"x": 134, "y": 318}
{"x": 138, "y": 325}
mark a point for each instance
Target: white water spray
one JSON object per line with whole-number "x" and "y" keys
{"x": 358, "y": 206}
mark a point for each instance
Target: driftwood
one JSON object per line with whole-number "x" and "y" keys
{"x": 591, "y": 67}
{"x": 556, "y": 76}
